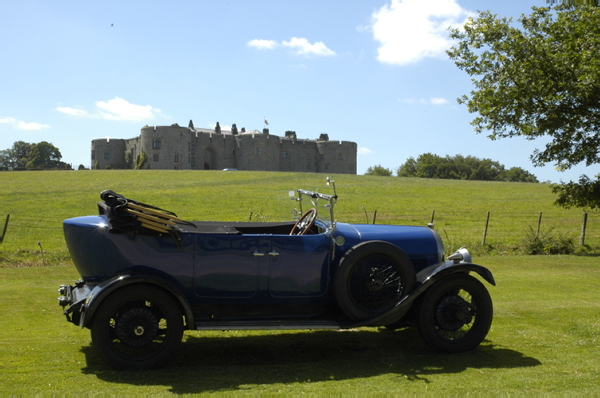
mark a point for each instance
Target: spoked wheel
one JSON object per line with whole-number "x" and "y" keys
{"x": 137, "y": 328}
{"x": 456, "y": 314}
{"x": 372, "y": 277}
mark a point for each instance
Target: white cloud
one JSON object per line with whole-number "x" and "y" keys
{"x": 21, "y": 125}
{"x": 262, "y": 44}
{"x": 72, "y": 111}
{"x": 115, "y": 109}
{"x": 301, "y": 46}
{"x": 364, "y": 151}
{"x": 411, "y": 30}
{"x": 432, "y": 101}
{"x": 438, "y": 101}
{"x": 119, "y": 109}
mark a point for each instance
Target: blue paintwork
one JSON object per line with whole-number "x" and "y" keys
{"x": 236, "y": 276}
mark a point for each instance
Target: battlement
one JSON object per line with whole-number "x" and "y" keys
{"x": 177, "y": 147}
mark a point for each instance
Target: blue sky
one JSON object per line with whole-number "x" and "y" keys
{"x": 373, "y": 72}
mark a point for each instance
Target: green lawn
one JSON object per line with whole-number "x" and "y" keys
{"x": 545, "y": 338}
{"x": 38, "y": 202}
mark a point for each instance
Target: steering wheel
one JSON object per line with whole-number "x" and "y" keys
{"x": 305, "y": 223}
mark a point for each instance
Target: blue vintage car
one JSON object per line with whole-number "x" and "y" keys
{"x": 146, "y": 276}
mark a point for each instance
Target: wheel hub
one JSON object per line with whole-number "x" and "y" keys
{"x": 452, "y": 313}
{"x": 136, "y": 327}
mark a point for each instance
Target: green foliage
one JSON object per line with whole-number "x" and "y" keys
{"x": 548, "y": 242}
{"x": 81, "y": 167}
{"x": 459, "y": 167}
{"x": 585, "y": 193}
{"x": 140, "y": 160}
{"x": 96, "y": 165}
{"x": 541, "y": 80}
{"x": 45, "y": 156}
{"x": 378, "y": 171}
{"x": 128, "y": 160}
{"x": 42, "y": 155}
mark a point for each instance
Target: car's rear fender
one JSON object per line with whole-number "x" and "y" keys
{"x": 110, "y": 286}
{"x": 425, "y": 279}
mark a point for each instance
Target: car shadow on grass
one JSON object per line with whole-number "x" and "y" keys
{"x": 230, "y": 361}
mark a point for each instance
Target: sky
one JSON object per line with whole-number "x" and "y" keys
{"x": 370, "y": 71}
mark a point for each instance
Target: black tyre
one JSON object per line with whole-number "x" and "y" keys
{"x": 137, "y": 327}
{"x": 456, "y": 314}
{"x": 371, "y": 278}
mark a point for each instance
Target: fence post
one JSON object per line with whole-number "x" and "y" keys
{"x": 487, "y": 221}
{"x": 583, "y": 226}
{"x": 537, "y": 234}
{"x": 5, "y": 226}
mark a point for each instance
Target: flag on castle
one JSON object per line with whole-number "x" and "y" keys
{"x": 266, "y": 122}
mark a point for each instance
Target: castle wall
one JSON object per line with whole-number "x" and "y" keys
{"x": 183, "y": 148}
{"x": 108, "y": 152}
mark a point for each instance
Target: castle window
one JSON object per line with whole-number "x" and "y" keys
{"x": 193, "y": 162}
{"x": 176, "y": 158}
{"x": 193, "y": 149}
{"x": 93, "y": 154}
{"x": 285, "y": 155}
{"x": 257, "y": 151}
{"x": 107, "y": 155}
{"x": 156, "y": 143}
{"x": 155, "y": 158}
{"x": 307, "y": 157}
{"x": 340, "y": 156}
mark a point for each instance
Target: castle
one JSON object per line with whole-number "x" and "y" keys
{"x": 188, "y": 148}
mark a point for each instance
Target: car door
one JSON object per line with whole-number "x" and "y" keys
{"x": 299, "y": 265}
{"x": 225, "y": 265}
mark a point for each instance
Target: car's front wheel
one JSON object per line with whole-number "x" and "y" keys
{"x": 137, "y": 327}
{"x": 456, "y": 314}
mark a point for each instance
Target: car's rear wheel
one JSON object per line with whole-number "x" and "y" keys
{"x": 137, "y": 327}
{"x": 455, "y": 314}
{"x": 371, "y": 278}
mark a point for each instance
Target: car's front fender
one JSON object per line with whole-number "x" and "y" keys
{"x": 426, "y": 278}
{"x": 104, "y": 289}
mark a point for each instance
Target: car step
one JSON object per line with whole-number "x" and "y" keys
{"x": 262, "y": 325}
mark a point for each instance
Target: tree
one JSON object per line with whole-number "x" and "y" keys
{"x": 44, "y": 155}
{"x": 578, "y": 194}
{"x": 378, "y": 171}
{"x": 459, "y": 167}
{"x": 541, "y": 80}
{"x": 18, "y": 155}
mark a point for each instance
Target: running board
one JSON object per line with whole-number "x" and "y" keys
{"x": 265, "y": 325}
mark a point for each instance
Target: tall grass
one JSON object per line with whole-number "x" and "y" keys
{"x": 38, "y": 202}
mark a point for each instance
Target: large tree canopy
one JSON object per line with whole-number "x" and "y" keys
{"x": 541, "y": 79}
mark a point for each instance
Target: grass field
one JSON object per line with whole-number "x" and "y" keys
{"x": 38, "y": 202}
{"x": 545, "y": 338}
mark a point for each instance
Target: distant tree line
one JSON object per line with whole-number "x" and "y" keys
{"x": 456, "y": 167}
{"x": 28, "y": 156}
{"x": 460, "y": 167}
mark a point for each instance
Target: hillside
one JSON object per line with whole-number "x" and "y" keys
{"x": 38, "y": 202}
